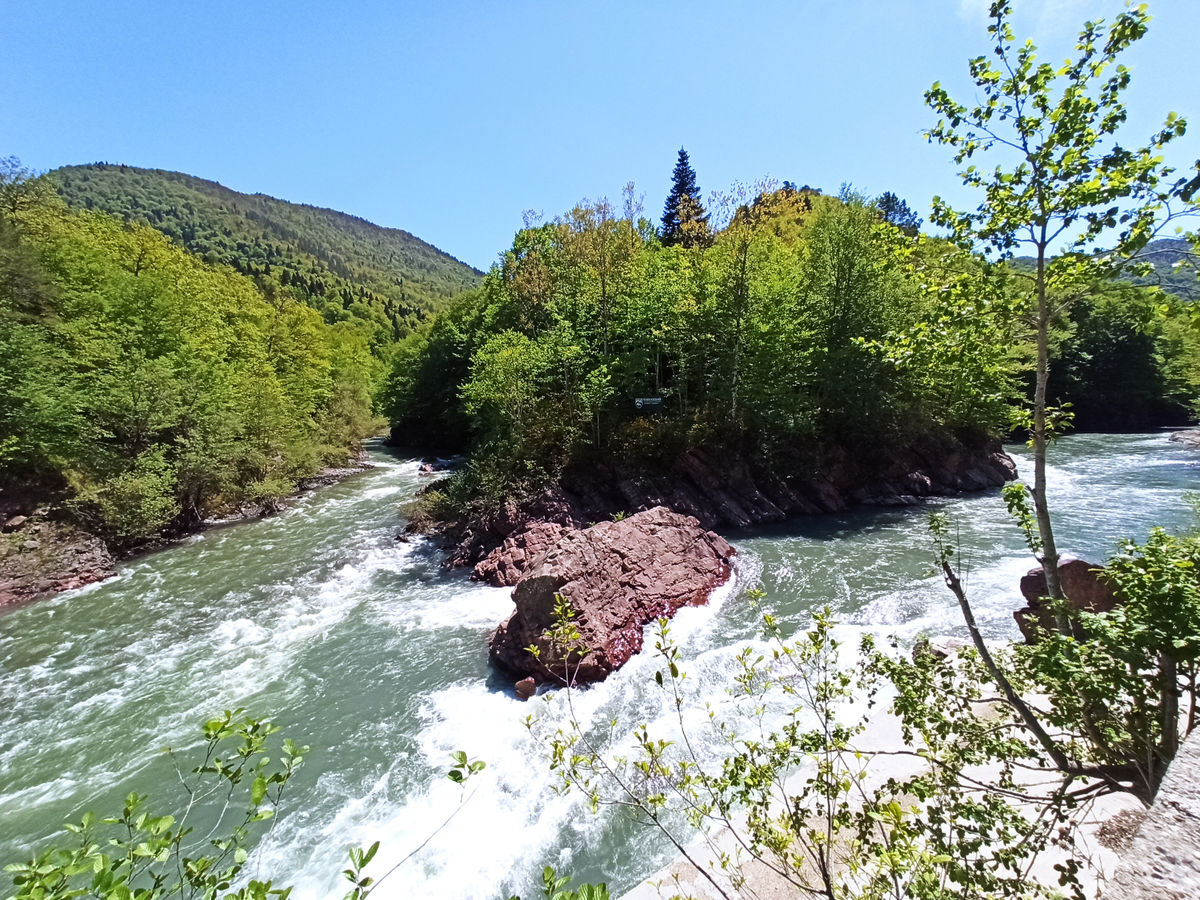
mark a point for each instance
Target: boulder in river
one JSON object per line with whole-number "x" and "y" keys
{"x": 525, "y": 688}
{"x": 1189, "y": 438}
{"x": 617, "y": 577}
{"x": 1082, "y": 585}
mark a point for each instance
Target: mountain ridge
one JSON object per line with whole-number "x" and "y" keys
{"x": 344, "y": 265}
{"x": 1168, "y": 258}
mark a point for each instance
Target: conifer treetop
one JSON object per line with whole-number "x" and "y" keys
{"x": 684, "y": 219}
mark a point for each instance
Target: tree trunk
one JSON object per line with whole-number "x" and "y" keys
{"x": 1169, "y": 745}
{"x": 1040, "y": 505}
{"x": 1061, "y": 762}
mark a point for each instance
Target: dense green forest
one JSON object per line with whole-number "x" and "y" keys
{"x": 145, "y": 389}
{"x": 1127, "y": 359}
{"x": 800, "y": 320}
{"x": 154, "y": 386}
{"x": 343, "y": 266}
{"x": 1126, "y": 352}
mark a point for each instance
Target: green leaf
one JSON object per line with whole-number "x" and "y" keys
{"x": 258, "y": 790}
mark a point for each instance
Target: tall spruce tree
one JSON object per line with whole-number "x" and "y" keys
{"x": 684, "y": 219}
{"x": 895, "y": 211}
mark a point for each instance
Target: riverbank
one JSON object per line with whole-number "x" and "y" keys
{"x": 729, "y": 491}
{"x": 43, "y": 554}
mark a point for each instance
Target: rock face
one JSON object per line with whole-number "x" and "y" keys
{"x": 726, "y": 491}
{"x": 617, "y": 576}
{"x": 1081, "y": 583}
{"x": 39, "y": 557}
{"x": 504, "y": 565}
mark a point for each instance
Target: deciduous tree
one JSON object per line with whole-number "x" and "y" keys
{"x": 1059, "y": 175}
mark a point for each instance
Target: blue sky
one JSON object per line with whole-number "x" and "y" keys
{"x": 449, "y": 118}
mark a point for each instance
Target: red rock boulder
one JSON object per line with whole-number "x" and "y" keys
{"x": 617, "y": 577}
{"x": 504, "y": 566}
{"x": 40, "y": 557}
{"x": 1082, "y": 585}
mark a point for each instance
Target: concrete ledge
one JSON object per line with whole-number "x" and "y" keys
{"x": 1163, "y": 862}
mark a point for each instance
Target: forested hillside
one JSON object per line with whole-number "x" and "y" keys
{"x": 343, "y": 266}
{"x": 1173, "y": 262}
{"x": 1166, "y": 263}
{"x": 142, "y": 389}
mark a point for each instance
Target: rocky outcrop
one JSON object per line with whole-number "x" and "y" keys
{"x": 617, "y": 576}
{"x": 471, "y": 542}
{"x": 1163, "y": 861}
{"x": 1190, "y": 439}
{"x": 1082, "y": 585}
{"x": 723, "y": 490}
{"x": 40, "y": 557}
{"x": 504, "y": 566}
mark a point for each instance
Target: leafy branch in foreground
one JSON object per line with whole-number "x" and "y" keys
{"x": 235, "y": 790}
{"x": 230, "y": 800}
{"x": 1114, "y": 680}
{"x": 464, "y": 769}
{"x": 781, "y": 777}
{"x": 554, "y": 887}
{"x": 1060, "y": 174}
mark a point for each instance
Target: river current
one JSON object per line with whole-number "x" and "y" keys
{"x": 366, "y": 649}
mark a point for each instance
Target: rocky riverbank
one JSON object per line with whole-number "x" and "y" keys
{"x": 628, "y": 570}
{"x": 42, "y": 553}
{"x": 723, "y": 491}
{"x": 40, "y": 556}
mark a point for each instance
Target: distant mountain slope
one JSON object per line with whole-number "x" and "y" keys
{"x": 1173, "y": 267}
{"x": 346, "y": 267}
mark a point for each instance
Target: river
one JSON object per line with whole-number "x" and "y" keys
{"x": 366, "y": 649}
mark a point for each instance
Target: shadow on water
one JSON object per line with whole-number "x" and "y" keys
{"x": 860, "y": 522}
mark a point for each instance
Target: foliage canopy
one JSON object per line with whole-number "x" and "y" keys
{"x": 148, "y": 389}
{"x": 349, "y": 270}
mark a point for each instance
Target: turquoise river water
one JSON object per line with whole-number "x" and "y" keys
{"x": 368, "y": 650}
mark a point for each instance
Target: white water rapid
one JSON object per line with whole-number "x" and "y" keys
{"x": 366, "y": 649}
